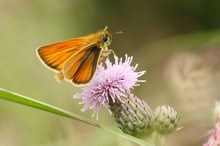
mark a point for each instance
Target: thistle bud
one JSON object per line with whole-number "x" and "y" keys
{"x": 133, "y": 115}
{"x": 164, "y": 120}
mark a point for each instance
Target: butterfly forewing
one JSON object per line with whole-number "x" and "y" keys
{"x": 55, "y": 55}
{"x": 81, "y": 67}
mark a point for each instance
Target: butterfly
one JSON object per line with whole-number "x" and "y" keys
{"x": 75, "y": 60}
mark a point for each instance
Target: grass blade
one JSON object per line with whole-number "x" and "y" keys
{"x": 21, "y": 99}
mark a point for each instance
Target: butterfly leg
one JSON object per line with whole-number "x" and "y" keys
{"x": 60, "y": 76}
{"x": 106, "y": 54}
{"x": 112, "y": 51}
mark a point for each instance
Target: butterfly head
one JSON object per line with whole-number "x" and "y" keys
{"x": 106, "y": 37}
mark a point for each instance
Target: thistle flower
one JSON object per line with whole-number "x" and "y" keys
{"x": 111, "y": 88}
{"x": 214, "y": 139}
{"x": 109, "y": 83}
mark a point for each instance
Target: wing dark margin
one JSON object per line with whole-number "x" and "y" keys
{"x": 93, "y": 50}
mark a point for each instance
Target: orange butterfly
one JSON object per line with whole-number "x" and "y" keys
{"x": 75, "y": 60}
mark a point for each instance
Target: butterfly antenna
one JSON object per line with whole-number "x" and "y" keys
{"x": 119, "y": 32}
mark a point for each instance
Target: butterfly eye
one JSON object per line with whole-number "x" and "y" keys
{"x": 105, "y": 38}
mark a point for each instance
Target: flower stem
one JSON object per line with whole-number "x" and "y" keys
{"x": 156, "y": 139}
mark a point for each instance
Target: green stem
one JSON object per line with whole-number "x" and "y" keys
{"x": 156, "y": 139}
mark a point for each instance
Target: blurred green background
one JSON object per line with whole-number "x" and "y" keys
{"x": 176, "y": 42}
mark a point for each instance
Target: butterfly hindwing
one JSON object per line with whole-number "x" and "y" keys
{"x": 81, "y": 67}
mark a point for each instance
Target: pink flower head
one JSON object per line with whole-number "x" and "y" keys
{"x": 214, "y": 139}
{"x": 111, "y": 81}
